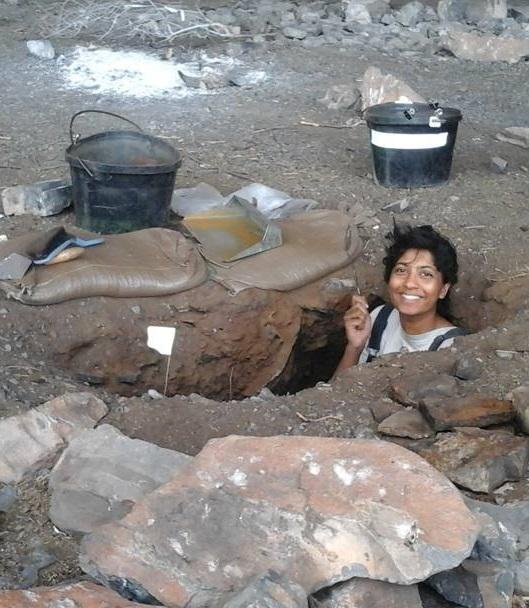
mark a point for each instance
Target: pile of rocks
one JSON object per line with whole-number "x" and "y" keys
{"x": 281, "y": 522}
{"x": 486, "y": 30}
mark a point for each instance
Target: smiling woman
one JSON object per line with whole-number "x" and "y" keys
{"x": 420, "y": 268}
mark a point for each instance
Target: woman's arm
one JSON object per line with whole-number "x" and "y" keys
{"x": 357, "y": 322}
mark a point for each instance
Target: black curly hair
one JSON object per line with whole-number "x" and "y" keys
{"x": 404, "y": 237}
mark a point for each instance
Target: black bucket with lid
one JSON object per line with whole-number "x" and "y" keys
{"x": 121, "y": 180}
{"x": 412, "y": 143}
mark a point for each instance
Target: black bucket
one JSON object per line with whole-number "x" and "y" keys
{"x": 412, "y": 143}
{"x": 121, "y": 180}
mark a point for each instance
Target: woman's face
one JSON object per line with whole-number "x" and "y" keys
{"x": 415, "y": 284}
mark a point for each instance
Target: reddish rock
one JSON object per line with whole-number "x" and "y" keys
{"x": 407, "y": 423}
{"x": 78, "y": 595}
{"x": 477, "y": 459}
{"x": 473, "y": 410}
{"x": 315, "y": 510}
{"x": 410, "y": 389}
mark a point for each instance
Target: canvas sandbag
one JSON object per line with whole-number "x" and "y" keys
{"x": 315, "y": 244}
{"x": 150, "y": 262}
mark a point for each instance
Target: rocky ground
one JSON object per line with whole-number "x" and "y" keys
{"x": 279, "y": 132}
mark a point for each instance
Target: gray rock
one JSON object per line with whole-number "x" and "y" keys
{"x": 477, "y": 459}
{"x": 380, "y": 88}
{"x": 410, "y": 14}
{"x": 269, "y": 591}
{"x": 510, "y": 540}
{"x": 406, "y": 423}
{"x": 102, "y": 474}
{"x": 342, "y": 97}
{"x": 295, "y": 33}
{"x": 361, "y": 592}
{"x": 476, "y": 47}
{"x": 476, "y": 584}
{"x": 498, "y": 164}
{"x": 32, "y": 440}
{"x": 356, "y": 12}
{"x": 41, "y": 48}
{"x": 468, "y": 367}
{"x": 410, "y": 389}
{"x": 384, "y": 408}
{"x": 42, "y": 198}
{"x": 319, "y": 510}
{"x": 521, "y": 577}
{"x": 33, "y": 563}
{"x": 520, "y": 402}
{"x": 8, "y": 497}
{"x": 476, "y": 10}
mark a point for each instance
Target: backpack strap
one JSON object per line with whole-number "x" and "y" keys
{"x": 451, "y": 333}
{"x": 373, "y": 346}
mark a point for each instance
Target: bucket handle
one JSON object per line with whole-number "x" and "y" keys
{"x": 74, "y": 137}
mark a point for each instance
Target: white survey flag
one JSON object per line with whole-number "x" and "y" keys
{"x": 161, "y": 338}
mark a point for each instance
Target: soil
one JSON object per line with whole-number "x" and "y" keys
{"x": 261, "y": 134}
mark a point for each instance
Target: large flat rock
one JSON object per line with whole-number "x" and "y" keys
{"x": 32, "y": 440}
{"x": 102, "y": 474}
{"x": 315, "y": 510}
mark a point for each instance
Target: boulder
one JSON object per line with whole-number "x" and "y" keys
{"x": 410, "y": 14}
{"x": 381, "y": 88}
{"x": 102, "y": 474}
{"x": 477, "y": 459}
{"x": 476, "y": 47}
{"x": 362, "y": 592}
{"x": 319, "y": 510}
{"x": 77, "y": 595}
{"x": 476, "y": 10}
{"x": 472, "y": 410}
{"x": 476, "y": 584}
{"x": 31, "y": 441}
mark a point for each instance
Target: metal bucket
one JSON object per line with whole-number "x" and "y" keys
{"x": 121, "y": 180}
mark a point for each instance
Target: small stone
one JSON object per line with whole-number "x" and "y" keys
{"x": 41, "y": 48}
{"x": 294, "y": 33}
{"x": 41, "y": 198}
{"x": 498, "y": 164}
{"x": 410, "y": 389}
{"x": 8, "y": 497}
{"x": 468, "y": 367}
{"x": 397, "y": 206}
{"x": 356, "y": 12}
{"x": 136, "y": 309}
{"x": 410, "y": 14}
{"x": 384, "y": 408}
{"x": 342, "y": 97}
{"x": 406, "y": 423}
{"x": 154, "y": 394}
{"x": 473, "y": 410}
{"x": 508, "y": 355}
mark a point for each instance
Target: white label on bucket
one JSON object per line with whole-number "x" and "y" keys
{"x": 409, "y": 141}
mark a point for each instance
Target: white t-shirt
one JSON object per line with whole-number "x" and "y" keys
{"x": 396, "y": 340}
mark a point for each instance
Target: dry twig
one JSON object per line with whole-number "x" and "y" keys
{"x": 321, "y": 419}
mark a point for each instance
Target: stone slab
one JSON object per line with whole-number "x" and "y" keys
{"x": 319, "y": 510}
{"x": 472, "y": 410}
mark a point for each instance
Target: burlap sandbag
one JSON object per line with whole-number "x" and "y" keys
{"x": 151, "y": 262}
{"x": 315, "y": 244}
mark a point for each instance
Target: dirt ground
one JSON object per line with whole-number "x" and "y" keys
{"x": 239, "y": 135}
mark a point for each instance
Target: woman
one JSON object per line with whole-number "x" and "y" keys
{"x": 420, "y": 268}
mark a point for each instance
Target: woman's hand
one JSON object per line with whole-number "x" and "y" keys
{"x": 357, "y": 323}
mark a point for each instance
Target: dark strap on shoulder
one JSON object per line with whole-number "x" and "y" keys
{"x": 451, "y": 333}
{"x": 373, "y": 346}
